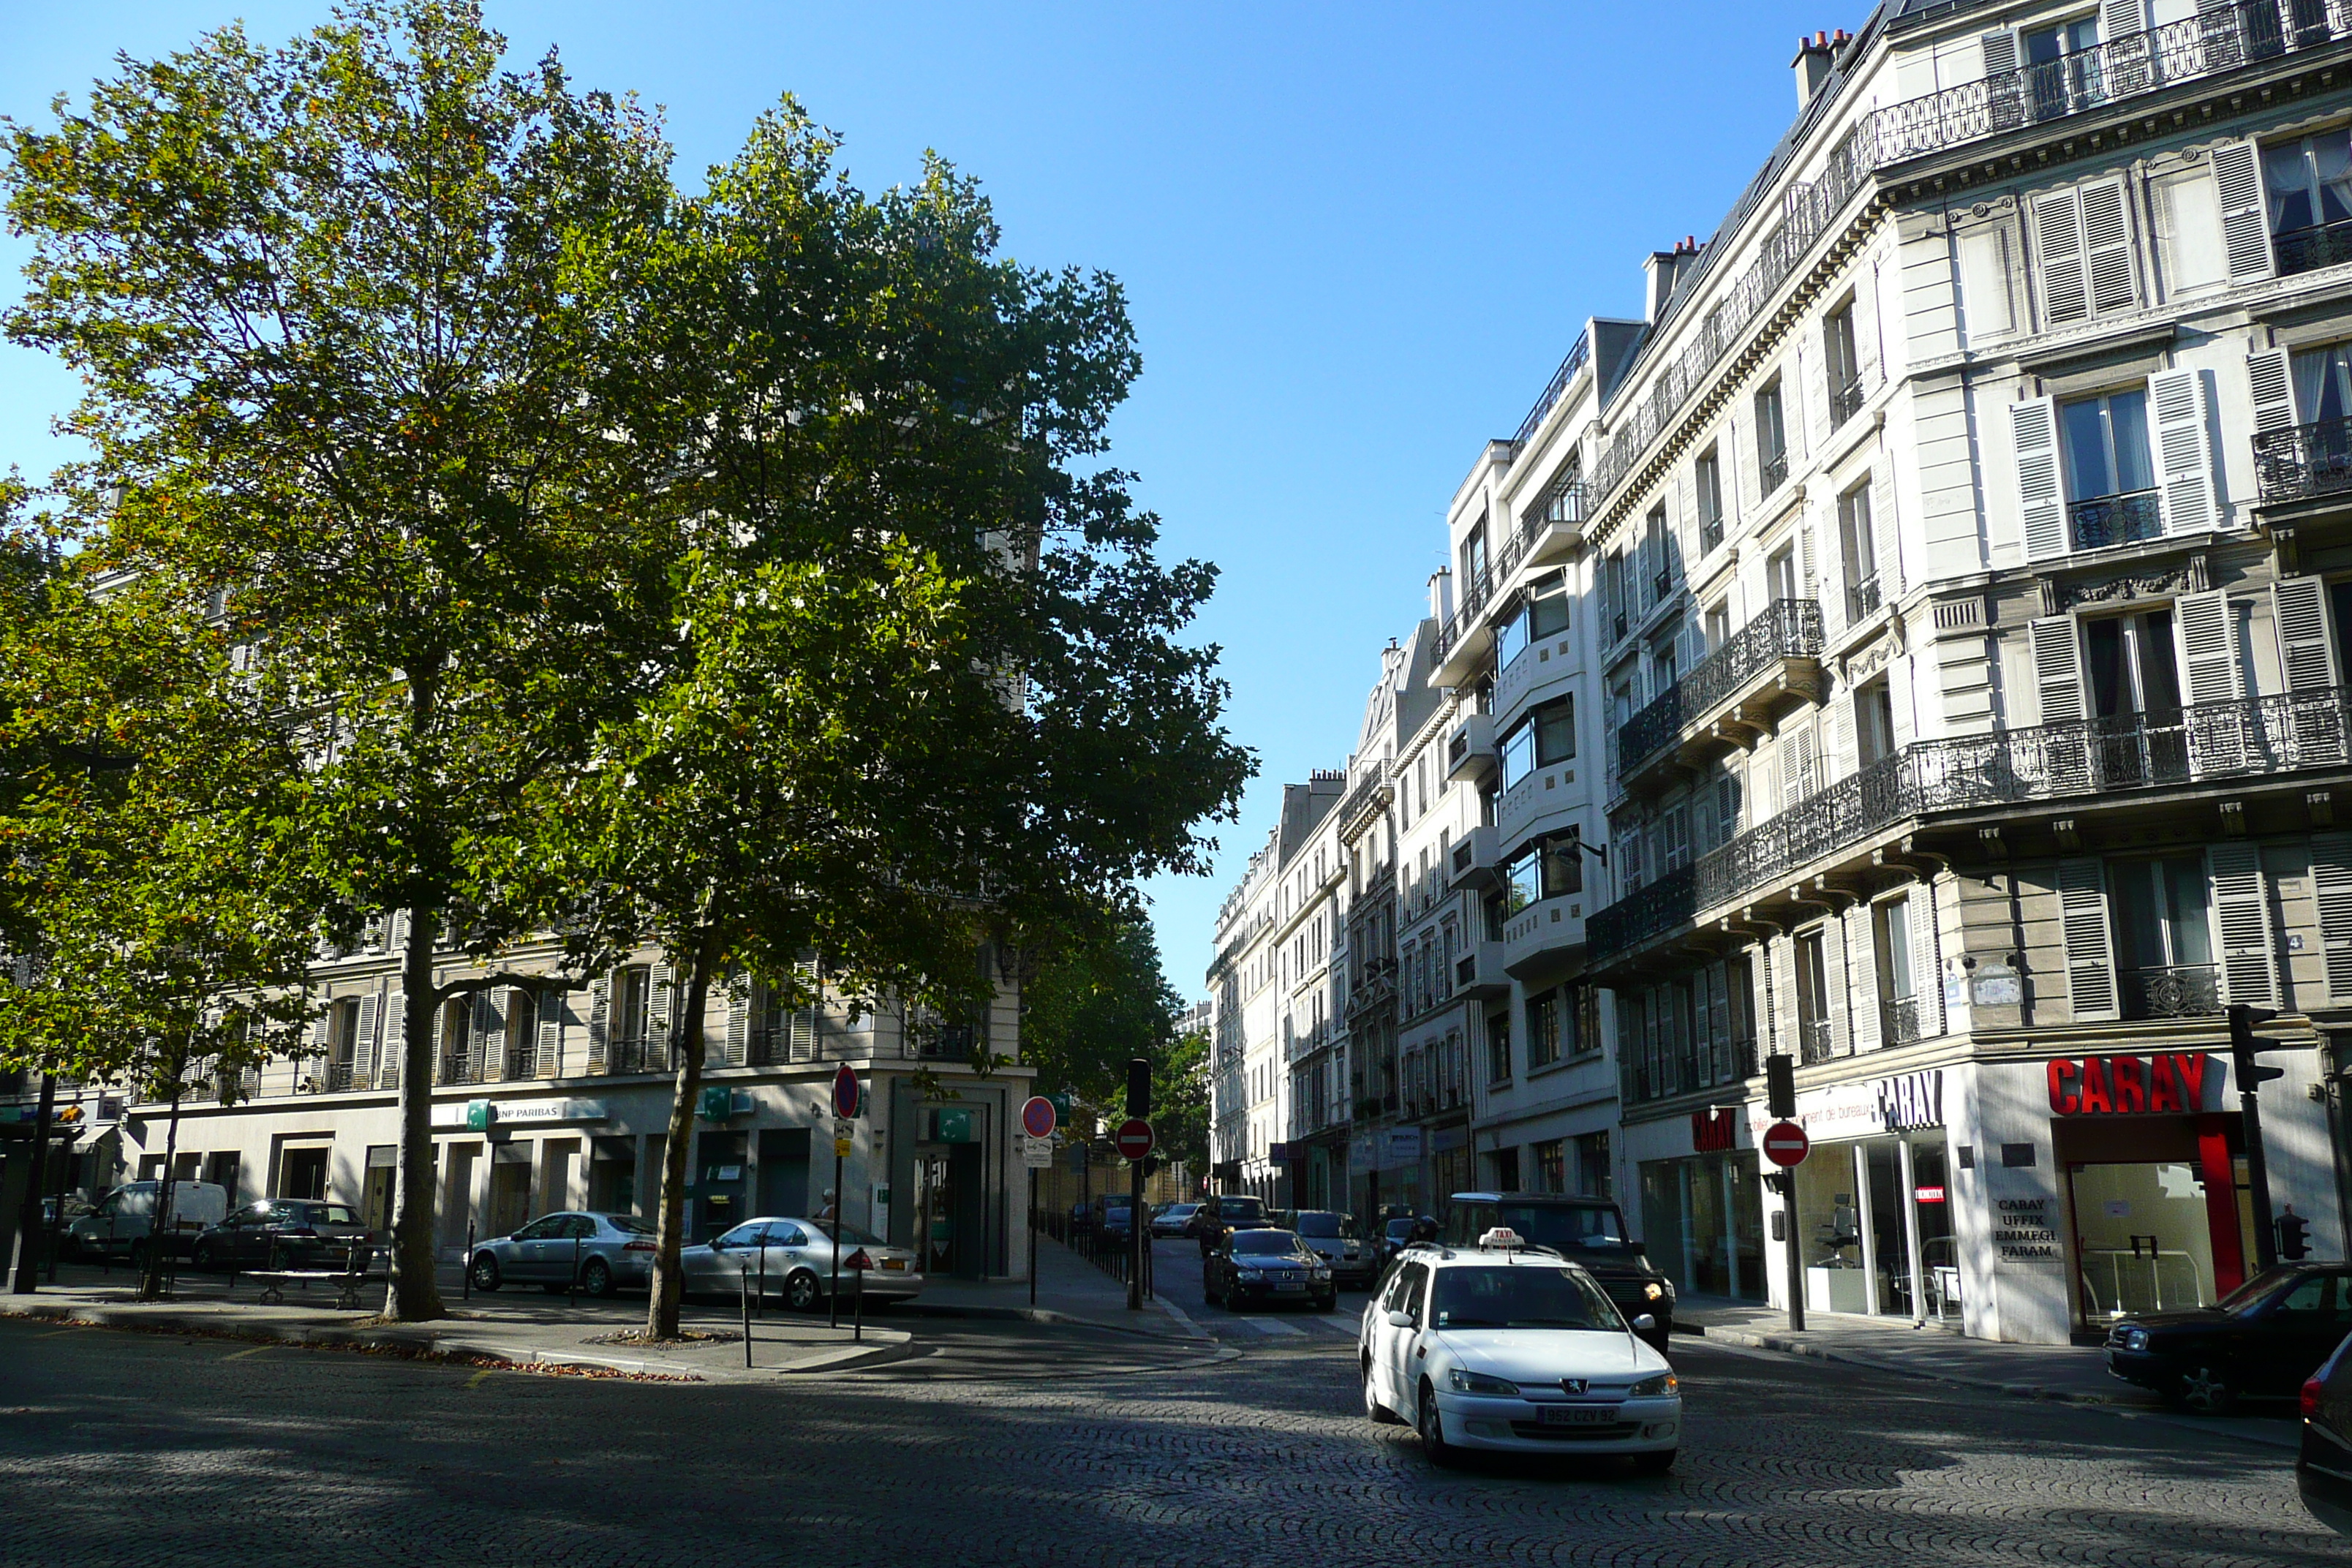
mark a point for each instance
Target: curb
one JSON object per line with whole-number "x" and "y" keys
{"x": 1021, "y": 1315}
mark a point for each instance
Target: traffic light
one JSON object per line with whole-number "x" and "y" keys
{"x": 2293, "y": 1236}
{"x": 1138, "y": 1086}
{"x": 2245, "y": 1045}
{"x": 1781, "y": 1087}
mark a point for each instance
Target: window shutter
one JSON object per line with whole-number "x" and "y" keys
{"x": 2083, "y": 921}
{"x": 600, "y": 1024}
{"x": 2270, "y": 382}
{"x": 2058, "y": 669}
{"x": 549, "y": 1047}
{"x": 1806, "y": 581}
{"x": 2306, "y": 640}
{"x": 2107, "y": 247}
{"x": 2245, "y": 227}
{"x": 2331, "y": 881}
{"x": 321, "y": 1029}
{"x": 740, "y": 990}
{"x": 2123, "y": 30}
{"x": 1844, "y": 760}
{"x": 1783, "y": 997}
{"x": 2041, "y": 510}
{"x": 395, "y": 1041}
{"x": 1792, "y": 784}
{"x": 660, "y": 1002}
{"x": 490, "y": 1039}
{"x": 1885, "y": 535}
{"x": 1865, "y": 328}
{"x": 2242, "y": 910}
{"x": 363, "y": 1046}
{"x": 804, "y": 1019}
{"x": 437, "y": 1046}
{"x": 2184, "y": 461}
{"x": 2000, "y": 80}
{"x": 1927, "y": 961}
{"x": 1861, "y": 977}
{"x": 1718, "y": 1023}
{"x": 2058, "y": 252}
{"x": 2209, "y": 671}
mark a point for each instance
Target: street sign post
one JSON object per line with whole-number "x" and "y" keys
{"x": 1134, "y": 1140}
{"x": 1038, "y": 1117}
{"x": 845, "y": 1110}
{"x": 1785, "y": 1144}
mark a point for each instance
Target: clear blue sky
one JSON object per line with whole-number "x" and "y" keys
{"x": 1356, "y": 241}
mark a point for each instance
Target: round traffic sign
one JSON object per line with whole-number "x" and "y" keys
{"x": 1134, "y": 1139}
{"x": 1785, "y": 1143}
{"x": 1038, "y": 1117}
{"x": 844, "y": 1093}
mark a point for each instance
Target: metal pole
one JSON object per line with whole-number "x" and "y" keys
{"x": 761, "y": 1306}
{"x": 2258, "y": 1181}
{"x": 858, "y": 1310}
{"x": 1032, "y": 1235}
{"x": 28, "y": 1218}
{"x": 1909, "y": 1198}
{"x": 743, "y": 1295}
{"x": 1788, "y": 1181}
{"x": 1135, "y": 1235}
{"x": 466, "y": 1290}
{"x": 572, "y": 1293}
{"x": 833, "y": 1296}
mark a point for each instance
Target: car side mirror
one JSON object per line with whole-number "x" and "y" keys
{"x": 1400, "y": 1320}
{"x": 1644, "y": 1323}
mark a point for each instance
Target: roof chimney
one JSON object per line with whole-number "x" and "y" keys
{"x": 1814, "y": 56}
{"x": 1663, "y": 272}
{"x": 1441, "y": 595}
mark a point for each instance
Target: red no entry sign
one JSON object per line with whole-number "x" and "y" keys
{"x": 1133, "y": 1139}
{"x": 1785, "y": 1143}
{"x": 1038, "y": 1117}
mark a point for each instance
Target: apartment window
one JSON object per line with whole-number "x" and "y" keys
{"x": 343, "y": 1042}
{"x": 1706, "y": 485}
{"x": 1551, "y": 1165}
{"x": 1498, "y": 1047}
{"x": 633, "y": 990}
{"x": 2163, "y": 935}
{"x": 1614, "y": 583}
{"x": 1659, "y": 555}
{"x": 1675, "y": 836}
{"x": 1543, "y": 1030}
{"x": 2309, "y": 182}
{"x": 2110, "y": 475}
{"x": 1595, "y": 1175}
{"x": 1812, "y": 1000}
{"x": 1844, "y": 365}
{"x": 1771, "y": 439}
{"x": 1543, "y": 614}
{"x": 2062, "y": 65}
{"x": 1874, "y": 724}
{"x": 1545, "y": 736}
{"x": 1898, "y": 1002}
{"x": 1551, "y": 868}
{"x": 1718, "y": 627}
{"x": 1474, "y": 563}
{"x": 457, "y": 1040}
{"x": 1861, "y": 555}
{"x": 1780, "y": 574}
{"x": 2128, "y": 663}
{"x": 2322, "y": 386}
{"x": 1664, "y": 665}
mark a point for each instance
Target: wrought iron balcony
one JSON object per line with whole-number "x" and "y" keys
{"x": 1862, "y": 598}
{"x": 1845, "y": 401}
{"x": 1774, "y": 471}
{"x": 2304, "y": 463}
{"x": 339, "y": 1076}
{"x": 1898, "y": 1020}
{"x": 1710, "y": 532}
{"x": 1812, "y": 1040}
{"x": 2258, "y": 736}
{"x": 2309, "y": 249}
{"x": 2124, "y": 519}
{"x": 1787, "y": 628}
{"x": 2181, "y": 991}
{"x": 1578, "y": 353}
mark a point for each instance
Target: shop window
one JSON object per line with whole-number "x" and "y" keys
{"x": 2163, "y": 935}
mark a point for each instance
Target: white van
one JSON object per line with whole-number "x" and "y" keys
{"x": 123, "y": 1219}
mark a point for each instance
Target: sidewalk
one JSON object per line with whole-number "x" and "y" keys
{"x": 512, "y": 1328}
{"x": 1070, "y": 1291}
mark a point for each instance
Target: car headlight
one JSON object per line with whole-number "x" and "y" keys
{"x": 1656, "y": 1388}
{"x": 1466, "y": 1382}
{"x": 1653, "y": 1290}
{"x": 1248, "y": 1274}
{"x": 2135, "y": 1339}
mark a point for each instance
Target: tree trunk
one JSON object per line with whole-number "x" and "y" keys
{"x": 669, "y": 1280}
{"x": 151, "y": 1278}
{"x": 415, "y": 1297}
{"x": 33, "y": 1237}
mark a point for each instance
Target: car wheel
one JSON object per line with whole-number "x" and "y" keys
{"x": 486, "y": 1272}
{"x": 596, "y": 1278}
{"x": 1381, "y": 1414}
{"x": 1656, "y": 1464}
{"x": 801, "y": 1293}
{"x": 1433, "y": 1430}
{"x": 2207, "y": 1392}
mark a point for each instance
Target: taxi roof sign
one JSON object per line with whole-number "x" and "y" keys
{"x": 1501, "y": 1236}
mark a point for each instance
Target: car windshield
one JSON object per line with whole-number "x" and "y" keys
{"x": 627, "y": 1222}
{"x": 849, "y": 1233}
{"x": 1565, "y": 1227}
{"x": 1260, "y": 1241}
{"x": 1117, "y": 1203}
{"x": 1519, "y": 1296}
{"x": 2254, "y": 1291}
{"x": 1401, "y": 1228}
{"x": 1240, "y": 1208}
{"x": 1178, "y": 1211}
{"x": 334, "y": 1213}
{"x": 1311, "y": 1224}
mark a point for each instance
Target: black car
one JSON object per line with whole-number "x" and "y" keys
{"x": 1233, "y": 1211}
{"x": 280, "y": 1233}
{"x": 1267, "y": 1266}
{"x": 1588, "y": 1231}
{"x": 2261, "y": 1341}
{"x": 1113, "y": 1217}
{"x": 2323, "y": 1469}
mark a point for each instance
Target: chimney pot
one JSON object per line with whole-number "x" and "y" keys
{"x": 1814, "y": 58}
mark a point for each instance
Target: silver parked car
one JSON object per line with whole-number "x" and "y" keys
{"x": 609, "y": 1250}
{"x": 794, "y": 1258}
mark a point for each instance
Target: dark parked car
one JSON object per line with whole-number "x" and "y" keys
{"x": 2261, "y": 1341}
{"x": 1587, "y": 1231}
{"x": 2323, "y": 1468}
{"x": 1395, "y": 1232}
{"x": 1267, "y": 1266}
{"x": 1331, "y": 1235}
{"x": 280, "y": 1233}
{"x": 1113, "y": 1217}
{"x": 1233, "y": 1211}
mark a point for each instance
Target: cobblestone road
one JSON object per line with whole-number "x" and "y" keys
{"x": 121, "y": 1448}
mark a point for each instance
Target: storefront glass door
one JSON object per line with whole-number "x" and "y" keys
{"x": 2143, "y": 1238}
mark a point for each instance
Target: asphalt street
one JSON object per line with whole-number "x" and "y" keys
{"x": 1033, "y": 1443}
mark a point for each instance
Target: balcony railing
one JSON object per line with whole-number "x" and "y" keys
{"x": 1788, "y": 629}
{"x": 2219, "y": 38}
{"x": 2309, "y": 249}
{"x": 1774, "y": 470}
{"x": 1862, "y": 598}
{"x": 1710, "y": 532}
{"x": 1812, "y": 1040}
{"x": 1578, "y": 353}
{"x": 1898, "y": 1020}
{"x": 2124, "y": 519}
{"x": 1845, "y": 401}
{"x": 2306, "y": 462}
{"x": 2256, "y": 736}
{"x": 2183, "y": 991}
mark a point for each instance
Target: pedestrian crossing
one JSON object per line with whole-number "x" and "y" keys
{"x": 1320, "y": 1326}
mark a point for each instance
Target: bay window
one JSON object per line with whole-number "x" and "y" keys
{"x": 1545, "y": 736}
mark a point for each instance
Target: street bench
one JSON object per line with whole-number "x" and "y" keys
{"x": 346, "y": 1280}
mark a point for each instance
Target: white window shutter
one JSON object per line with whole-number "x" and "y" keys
{"x": 2123, "y": 33}
{"x": 1885, "y": 534}
{"x": 1844, "y": 759}
{"x": 1792, "y": 784}
{"x": 1806, "y": 580}
{"x": 1718, "y": 1023}
{"x": 2209, "y": 662}
{"x": 321, "y": 1027}
{"x": 600, "y": 1024}
{"x": 2007, "y": 103}
{"x": 549, "y": 1047}
{"x": 660, "y": 1003}
{"x": 2041, "y": 506}
{"x": 394, "y": 1052}
{"x": 2245, "y": 227}
{"x": 2184, "y": 457}
{"x": 2090, "y": 955}
{"x": 1861, "y": 977}
{"x": 2272, "y": 386}
{"x": 489, "y": 1062}
{"x": 363, "y": 1043}
{"x": 2107, "y": 247}
{"x": 740, "y": 991}
{"x": 2058, "y": 256}
{"x": 804, "y": 1019}
{"x": 2058, "y": 677}
{"x": 1926, "y": 961}
{"x": 2242, "y": 910}
{"x": 2331, "y": 881}
{"x": 2306, "y": 638}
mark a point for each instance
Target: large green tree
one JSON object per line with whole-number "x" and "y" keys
{"x": 346, "y": 314}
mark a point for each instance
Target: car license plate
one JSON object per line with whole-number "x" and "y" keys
{"x": 898, "y": 1263}
{"x": 1579, "y": 1414}
{"x": 1290, "y": 1285}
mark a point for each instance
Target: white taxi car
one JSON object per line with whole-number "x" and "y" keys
{"x": 1508, "y": 1346}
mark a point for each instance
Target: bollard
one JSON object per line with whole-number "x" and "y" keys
{"x": 572, "y": 1295}
{"x": 746, "y": 1319}
{"x": 762, "y": 1304}
{"x": 465, "y": 1292}
{"x": 858, "y": 1310}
